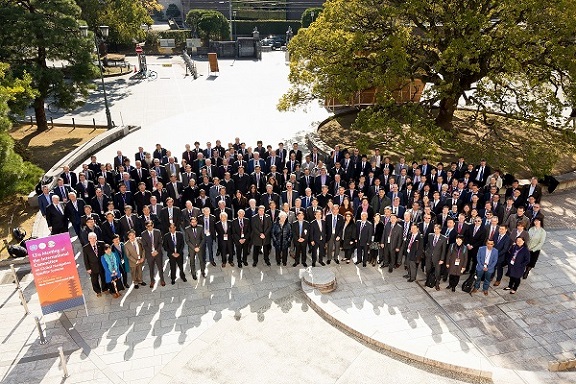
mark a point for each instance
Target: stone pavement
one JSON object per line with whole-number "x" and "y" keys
{"x": 521, "y": 332}
{"x": 559, "y": 209}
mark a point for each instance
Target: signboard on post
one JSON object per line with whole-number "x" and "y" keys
{"x": 55, "y": 273}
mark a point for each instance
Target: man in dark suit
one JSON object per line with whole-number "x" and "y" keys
{"x": 152, "y": 244}
{"x": 532, "y": 189}
{"x": 450, "y": 231}
{"x": 391, "y": 242}
{"x": 306, "y": 181}
{"x": 74, "y": 210}
{"x": 56, "y": 217}
{"x": 242, "y": 180}
{"x": 147, "y": 215}
{"x": 127, "y": 222}
{"x": 119, "y": 159}
{"x": 297, "y": 153}
{"x": 435, "y": 252}
{"x": 224, "y": 234}
{"x": 334, "y": 225}
{"x": 414, "y": 250}
{"x": 170, "y": 214}
{"x": 142, "y": 197}
{"x": 61, "y": 190}
{"x": 92, "y": 253}
{"x": 123, "y": 198}
{"x": 365, "y": 230}
{"x": 70, "y": 179}
{"x": 476, "y": 239}
{"x": 502, "y": 244}
{"x": 241, "y": 237}
{"x": 159, "y": 152}
{"x": 480, "y": 175}
{"x": 261, "y": 227}
{"x": 140, "y": 155}
{"x": 301, "y": 231}
{"x": 44, "y": 199}
{"x": 110, "y": 228}
{"x": 289, "y": 195}
{"x": 174, "y": 246}
{"x": 139, "y": 174}
{"x": 85, "y": 188}
{"x": 194, "y": 234}
{"x": 272, "y": 160}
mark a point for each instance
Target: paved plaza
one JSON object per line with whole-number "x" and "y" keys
{"x": 261, "y": 324}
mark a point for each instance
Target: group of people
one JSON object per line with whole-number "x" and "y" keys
{"x": 445, "y": 220}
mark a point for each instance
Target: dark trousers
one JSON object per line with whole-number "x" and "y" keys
{"x": 98, "y": 281}
{"x": 192, "y": 255}
{"x": 153, "y": 263}
{"x": 454, "y": 280}
{"x": 266, "y": 251}
{"x": 226, "y": 250}
{"x": 437, "y": 269}
{"x": 362, "y": 254}
{"x": 500, "y": 268}
{"x": 318, "y": 251}
{"x": 176, "y": 261}
{"x": 348, "y": 253}
{"x": 389, "y": 255}
{"x": 514, "y": 283}
{"x": 281, "y": 255}
{"x": 242, "y": 251}
{"x": 300, "y": 255}
{"x": 472, "y": 261}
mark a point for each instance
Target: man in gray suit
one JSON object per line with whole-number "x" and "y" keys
{"x": 436, "y": 253}
{"x": 365, "y": 230}
{"x": 152, "y": 243}
{"x": 391, "y": 242}
{"x": 194, "y": 234}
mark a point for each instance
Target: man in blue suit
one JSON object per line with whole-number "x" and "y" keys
{"x": 502, "y": 244}
{"x": 487, "y": 258}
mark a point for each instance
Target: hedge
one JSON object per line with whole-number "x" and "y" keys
{"x": 179, "y": 35}
{"x": 266, "y": 27}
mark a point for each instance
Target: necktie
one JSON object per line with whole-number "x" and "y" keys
{"x": 95, "y": 250}
{"x": 361, "y": 226}
{"x": 411, "y": 242}
{"x": 112, "y": 226}
{"x": 334, "y": 225}
{"x": 459, "y": 227}
{"x": 435, "y": 241}
{"x": 206, "y": 224}
{"x": 129, "y": 222}
{"x": 63, "y": 192}
{"x": 174, "y": 239}
{"x": 194, "y": 231}
{"x": 406, "y": 230}
{"x": 475, "y": 230}
{"x": 492, "y": 233}
{"x": 300, "y": 228}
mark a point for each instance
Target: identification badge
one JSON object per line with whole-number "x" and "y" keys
{"x": 225, "y": 237}
{"x": 457, "y": 262}
{"x": 511, "y": 262}
{"x": 207, "y": 233}
{"x": 388, "y": 239}
{"x": 242, "y": 236}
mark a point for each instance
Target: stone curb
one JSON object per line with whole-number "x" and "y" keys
{"x": 469, "y": 371}
{"x": 75, "y": 158}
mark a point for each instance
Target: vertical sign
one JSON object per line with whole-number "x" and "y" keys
{"x": 55, "y": 273}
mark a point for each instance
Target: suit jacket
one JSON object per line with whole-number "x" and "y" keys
{"x": 131, "y": 253}
{"x": 537, "y": 193}
{"x": 329, "y": 225}
{"x": 436, "y": 253}
{"x": 242, "y": 182}
{"x": 88, "y": 192}
{"x": 137, "y": 178}
{"x": 221, "y": 233}
{"x": 266, "y": 198}
{"x": 56, "y": 219}
{"x": 58, "y": 192}
{"x": 107, "y": 231}
{"x": 165, "y": 218}
{"x": 481, "y": 257}
{"x": 416, "y": 251}
{"x": 125, "y": 226}
{"x": 74, "y": 214}
{"x": 143, "y": 219}
{"x": 119, "y": 161}
{"x": 364, "y": 234}
{"x": 70, "y": 179}
{"x": 123, "y": 199}
{"x": 169, "y": 246}
{"x": 44, "y": 201}
{"x": 395, "y": 233}
{"x": 195, "y": 239}
{"x": 237, "y": 231}
{"x": 317, "y": 234}
{"x": 258, "y": 227}
{"x": 478, "y": 239}
{"x": 92, "y": 260}
{"x": 211, "y": 224}
{"x": 295, "y": 195}
{"x": 152, "y": 243}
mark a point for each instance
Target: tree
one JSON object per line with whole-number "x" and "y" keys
{"x": 172, "y": 11}
{"x": 44, "y": 41}
{"x": 124, "y": 17}
{"x": 208, "y": 25}
{"x": 307, "y": 18}
{"x": 512, "y": 56}
{"x": 18, "y": 176}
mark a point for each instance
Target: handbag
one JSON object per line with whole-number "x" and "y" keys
{"x": 374, "y": 246}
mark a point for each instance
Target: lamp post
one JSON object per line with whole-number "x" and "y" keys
{"x": 234, "y": 24}
{"x": 311, "y": 17}
{"x": 104, "y": 31}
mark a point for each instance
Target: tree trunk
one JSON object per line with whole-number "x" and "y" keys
{"x": 446, "y": 113}
{"x": 40, "y": 111}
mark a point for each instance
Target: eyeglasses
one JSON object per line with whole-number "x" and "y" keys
{"x": 477, "y": 221}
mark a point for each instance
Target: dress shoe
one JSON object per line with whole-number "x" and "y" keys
{"x": 337, "y": 261}
{"x": 444, "y": 279}
{"x": 485, "y": 293}
{"x": 284, "y": 264}
{"x": 203, "y": 274}
{"x": 453, "y": 289}
{"x": 497, "y": 283}
{"x": 245, "y": 263}
{"x": 323, "y": 264}
{"x": 411, "y": 280}
{"x": 268, "y": 263}
{"x": 254, "y": 264}
{"x": 231, "y": 263}
{"x": 99, "y": 294}
{"x": 162, "y": 283}
{"x": 406, "y": 276}
{"x": 390, "y": 270}
{"x": 357, "y": 262}
{"x": 305, "y": 265}
{"x": 184, "y": 279}
{"x": 364, "y": 265}
{"x": 295, "y": 264}
{"x": 397, "y": 266}
{"x": 223, "y": 265}
{"x": 173, "y": 282}
{"x": 328, "y": 262}
{"x": 448, "y": 287}
{"x": 240, "y": 265}
{"x": 384, "y": 266}
{"x": 151, "y": 285}
{"x": 213, "y": 263}
{"x": 278, "y": 263}
{"x": 194, "y": 277}
{"x": 313, "y": 264}
{"x": 474, "y": 290}
{"x": 143, "y": 284}
{"x": 437, "y": 288}
{"x": 136, "y": 286}
{"x": 116, "y": 295}
{"x": 507, "y": 288}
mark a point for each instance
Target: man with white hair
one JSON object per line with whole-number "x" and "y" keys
{"x": 93, "y": 251}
